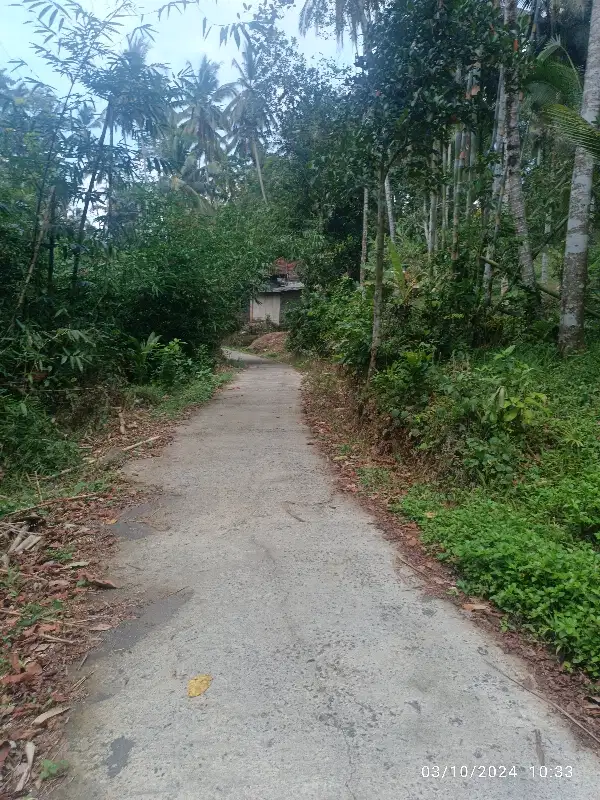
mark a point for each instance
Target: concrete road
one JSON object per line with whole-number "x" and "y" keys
{"x": 335, "y": 677}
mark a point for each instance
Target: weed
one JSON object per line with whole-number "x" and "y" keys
{"x": 546, "y": 581}
{"x": 10, "y": 581}
{"x": 61, "y": 554}
{"x": 374, "y": 478}
{"x": 198, "y": 391}
{"x": 53, "y": 769}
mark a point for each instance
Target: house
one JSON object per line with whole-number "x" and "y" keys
{"x": 281, "y": 290}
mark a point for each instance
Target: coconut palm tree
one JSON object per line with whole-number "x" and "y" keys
{"x": 135, "y": 94}
{"x": 249, "y": 117}
{"x": 202, "y": 115}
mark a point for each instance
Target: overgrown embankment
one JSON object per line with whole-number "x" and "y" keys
{"x": 505, "y": 444}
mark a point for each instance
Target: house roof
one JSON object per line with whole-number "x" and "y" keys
{"x": 286, "y": 269}
{"x": 292, "y": 286}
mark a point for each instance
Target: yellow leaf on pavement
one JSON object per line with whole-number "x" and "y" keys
{"x": 198, "y": 685}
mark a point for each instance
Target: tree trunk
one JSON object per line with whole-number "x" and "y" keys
{"x": 472, "y": 156}
{"x": 499, "y": 135}
{"x": 498, "y": 184}
{"x": 447, "y": 163}
{"x": 365, "y": 235}
{"x": 379, "y": 253}
{"x": 51, "y": 239}
{"x": 574, "y": 280}
{"x": 433, "y": 205}
{"x": 490, "y": 251}
{"x": 36, "y": 251}
{"x": 458, "y": 176}
{"x": 547, "y": 232}
{"x": 513, "y": 158}
{"x": 109, "y": 210}
{"x": 390, "y": 208}
{"x": 433, "y": 214}
{"x": 434, "y": 201}
{"x": 259, "y": 171}
{"x": 88, "y": 200}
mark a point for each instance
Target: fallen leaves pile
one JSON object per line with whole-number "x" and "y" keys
{"x": 50, "y": 617}
{"x": 54, "y": 605}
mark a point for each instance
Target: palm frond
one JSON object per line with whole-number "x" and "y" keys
{"x": 574, "y": 128}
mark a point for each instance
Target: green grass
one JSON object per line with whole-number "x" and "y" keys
{"x": 546, "y": 581}
{"x": 373, "y": 478}
{"x": 195, "y": 393}
{"x": 532, "y": 546}
{"x": 19, "y": 490}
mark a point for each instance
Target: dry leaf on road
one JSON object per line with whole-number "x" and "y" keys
{"x": 198, "y": 685}
{"x": 475, "y": 606}
{"x": 54, "y": 712}
{"x": 99, "y": 583}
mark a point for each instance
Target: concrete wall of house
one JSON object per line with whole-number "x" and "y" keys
{"x": 266, "y": 305}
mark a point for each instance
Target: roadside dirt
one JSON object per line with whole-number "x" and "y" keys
{"x": 270, "y": 343}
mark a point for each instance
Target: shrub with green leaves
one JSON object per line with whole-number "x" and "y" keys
{"x": 30, "y": 442}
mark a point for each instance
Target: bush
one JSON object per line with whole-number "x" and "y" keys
{"x": 548, "y": 583}
{"x": 337, "y": 324}
{"x": 29, "y": 440}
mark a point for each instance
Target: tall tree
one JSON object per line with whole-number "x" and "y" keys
{"x": 135, "y": 94}
{"x": 357, "y": 17}
{"x": 248, "y": 113}
{"x": 202, "y": 114}
{"x": 575, "y": 270}
{"x": 514, "y": 180}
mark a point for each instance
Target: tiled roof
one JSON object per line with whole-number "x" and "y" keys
{"x": 287, "y": 269}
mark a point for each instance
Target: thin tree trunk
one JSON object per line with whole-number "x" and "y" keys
{"x": 433, "y": 214}
{"x": 490, "y": 251}
{"x": 109, "y": 210}
{"x": 365, "y": 235}
{"x": 513, "y": 158}
{"x": 499, "y": 136}
{"x": 88, "y": 200}
{"x": 472, "y": 153}
{"x": 51, "y": 239}
{"x": 259, "y": 171}
{"x": 36, "y": 251}
{"x": 390, "y": 208}
{"x": 575, "y": 267}
{"x": 498, "y": 184}
{"x": 458, "y": 175}
{"x": 379, "y": 253}
{"x": 447, "y": 163}
{"x": 547, "y": 232}
{"x": 433, "y": 207}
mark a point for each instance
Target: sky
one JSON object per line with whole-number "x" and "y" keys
{"x": 178, "y": 39}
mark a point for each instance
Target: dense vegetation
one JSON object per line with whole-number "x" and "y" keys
{"x": 439, "y": 196}
{"x": 131, "y": 239}
{"x": 464, "y": 331}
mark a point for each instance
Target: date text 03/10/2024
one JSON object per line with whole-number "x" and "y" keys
{"x": 442, "y": 771}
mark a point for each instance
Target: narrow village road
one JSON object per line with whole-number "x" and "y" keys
{"x": 335, "y": 677}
